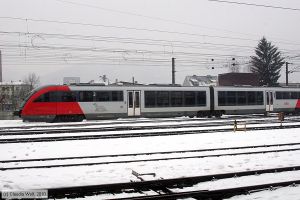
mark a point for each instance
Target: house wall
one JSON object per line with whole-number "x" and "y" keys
{"x": 232, "y": 79}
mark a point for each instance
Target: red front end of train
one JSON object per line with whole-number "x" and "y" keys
{"x": 50, "y": 104}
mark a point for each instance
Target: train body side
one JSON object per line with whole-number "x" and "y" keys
{"x": 74, "y": 103}
{"x": 256, "y": 100}
{"x": 114, "y": 109}
{"x": 239, "y": 100}
{"x": 104, "y": 102}
{"x": 287, "y": 100}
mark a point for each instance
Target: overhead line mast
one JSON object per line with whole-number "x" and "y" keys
{"x": 0, "y": 66}
{"x": 173, "y": 71}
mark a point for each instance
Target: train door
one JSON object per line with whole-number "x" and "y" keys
{"x": 134, "y": 103}
{"x": 269, "y": 101}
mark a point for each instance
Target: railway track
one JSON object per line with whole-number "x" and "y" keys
{"x": 166, "y": 185}
{"x": 214, "y": 194}
{"x": 144, "y": 157}
{"x": 139, "y": 120}
{"x": 164, "y": 189}
{"x": 144, "y": 133}
{"x": 113, "y": 127}
{"x": 134, "y": 125}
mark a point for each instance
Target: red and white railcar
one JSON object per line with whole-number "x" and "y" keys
{"x": 78, "y": 102}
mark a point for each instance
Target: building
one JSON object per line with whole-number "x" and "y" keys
{"x": 12, "y": 94}
{"x": 232, "y": 79}
{"x": 200, "y": 80}
{"x": 71, "y": 80}
{"x": 294, "y": 85}
{"x": 126, "y": 83}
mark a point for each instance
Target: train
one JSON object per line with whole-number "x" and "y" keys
{"x": 65, "y": 103}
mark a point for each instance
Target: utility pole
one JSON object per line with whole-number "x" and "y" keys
{"x": 173, "y": 71}
{"x": 286, "y": 73}
{"x": 0, "y": 67}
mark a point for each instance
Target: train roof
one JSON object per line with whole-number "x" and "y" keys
{"x": 166, "y": 85}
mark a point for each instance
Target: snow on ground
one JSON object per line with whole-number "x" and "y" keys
{"x": 141, "y": 157}
{"x": 101, "y": 174}
{"x": 146, "y": 144}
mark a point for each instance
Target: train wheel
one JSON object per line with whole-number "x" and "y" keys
{"x": 79, "y": 118}
{"x": 201, "y": 114}
{"x": 218, "y": 114}
{"x": 68, "y": 118}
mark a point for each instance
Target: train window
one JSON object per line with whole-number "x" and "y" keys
{"x": 137, "y": 99}
{"x": 286, "y": 95}
{"x": 176, "y": 98}
{"x": 103, "y": 96}
{"x": 279, "y": 95}
{"x": 251, "y": 97}
{"x": 189, "y": 98}
{"x": 241, "y": 98}
{"x": 117, "y": 95}
{"x": 221, "y": 98}
{"x": 231, "y": 98}
{"x": 260, "y": 98}
{"x": 294, "y": 95}
{"x": 201, "y": 98}
{"x": 86, "y": 96}
{"x": 109, "y": 96}
{"x": 130, "y": 99}
{"x": 150, "y": 99}
{"x": 271, "y": 99}
{"x": 163, "y": 99}
{"x": 47, "y": 97}
{"x": 66, "y": 96}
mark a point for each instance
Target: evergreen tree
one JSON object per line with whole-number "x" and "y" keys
{"x": 267, "y": 63}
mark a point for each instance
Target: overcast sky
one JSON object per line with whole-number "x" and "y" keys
{"x": 126, "y": 38}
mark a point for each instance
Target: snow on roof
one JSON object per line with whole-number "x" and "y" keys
{"x": 201, "y": 80}
{"x": 13, "y": 83}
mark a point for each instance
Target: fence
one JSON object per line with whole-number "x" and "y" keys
{"x": 7, "y": 116}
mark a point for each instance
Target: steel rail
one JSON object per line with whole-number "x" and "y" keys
{"x": 141, "y": 134}
{"x": 124, "y": 128}
{"x": 137, "y": 127}
{"x": 146, "y": 160}
{"x": 147, "y": 120}
{"x": 151, "y": 153}
{"x": 214, "y": 194}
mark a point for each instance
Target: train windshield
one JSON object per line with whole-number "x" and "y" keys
{"x": 29, "y": 95}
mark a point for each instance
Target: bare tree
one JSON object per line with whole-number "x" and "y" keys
{"x": 104, "y": 78}
{"x": 3, "y": 99}
{"x": 233, "y": 66}
{"x": 33, "y": 80}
